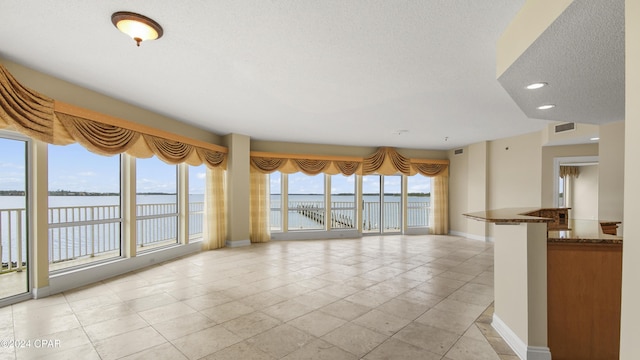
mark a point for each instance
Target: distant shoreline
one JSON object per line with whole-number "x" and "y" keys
{"x": 75, "y": 193}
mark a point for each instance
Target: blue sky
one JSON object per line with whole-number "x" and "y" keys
{"x": 74, "y": 168}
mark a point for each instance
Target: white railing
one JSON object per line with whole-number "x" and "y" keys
{"x": 79, "y": 231}
{"x": 418, "y": 214}
{"x": 309, "y": 215}
{"x": 13, "y": 240}
{"x": 87, "y": 231}
{"x": 157, "y": 224}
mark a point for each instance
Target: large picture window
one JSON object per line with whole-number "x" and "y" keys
{"x": 418, "y": 200}
{"x": 156, "y": 203}
{"x": 343, "y": 202}
{"x": 85, "y": 218}
{"x": 197, "y": 183}
{"x": 306, "y": 206}
{"x": 275, "y": 201}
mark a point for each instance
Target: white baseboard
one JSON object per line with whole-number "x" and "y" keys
{"x": 521, "y": 349}
{"x": 238, "y": 243}
{"x": 73, "y": 278}
{"x": 39, "y": 293}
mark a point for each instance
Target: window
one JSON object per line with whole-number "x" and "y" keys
{"x": 343, "y": 202}
{"x": 561, "y": 197}
{"x": 275, "y": 201}
{"x": 418, "y": 200}
{"x": 13, "y": 216}
{"x": 306, "y": 210}
{"x": 85, "y": 217}
{"x": 197, "y": 184}
{"x": 156, "y": 203}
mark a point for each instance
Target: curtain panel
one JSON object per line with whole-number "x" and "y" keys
{"x": 215, "y": 210}
{"x": 259, "y": 223}
{"x": 440, "y": 199}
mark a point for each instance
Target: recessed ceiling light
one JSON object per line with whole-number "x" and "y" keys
{"x": 594, "y": 139}
{"x": 546, "y": 107}
{"x": 537, "y": 85}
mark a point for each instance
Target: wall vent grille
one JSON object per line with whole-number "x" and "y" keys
{"x": 458, "y": 151}
{"x": 565, "y": 127}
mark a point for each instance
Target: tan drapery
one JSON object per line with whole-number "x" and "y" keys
{"x": 429, "y": 169}
{"x": 267, "y": 165}
{"x": 386, "y": 161}
{"x": 259, "y": 225}
{"x": 35, "y": 115}
{"x": 215, "y": 211}
{"x": 569, "y": 171}
{"x": 440, "y": 199}
{"x": 25, "y": 110}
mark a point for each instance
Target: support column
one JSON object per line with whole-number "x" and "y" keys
{"x": 39, "y": 227}
{"x": 630, "y": 324}
{"x": 238, "y": 190}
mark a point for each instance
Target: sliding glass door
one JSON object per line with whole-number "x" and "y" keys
{"x": 382, "y": 204}
{"x": 14, "y": 251}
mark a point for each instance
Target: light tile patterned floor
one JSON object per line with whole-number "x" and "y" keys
{"x": 391, "y": 297}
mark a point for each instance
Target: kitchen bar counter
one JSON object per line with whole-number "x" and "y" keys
{"x": 583, "y": 231}
{"x": 573, "y": 282}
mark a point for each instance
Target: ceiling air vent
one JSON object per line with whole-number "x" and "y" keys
{"x": 457, "y": 151}
{"x": 565, "y": 127}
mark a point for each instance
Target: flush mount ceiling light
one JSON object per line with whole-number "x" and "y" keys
{"x": 536, "y": 85}
{"x": 139, "y": 27}
{"x": 595, "y": 138}
{"x": 546, "y": 107}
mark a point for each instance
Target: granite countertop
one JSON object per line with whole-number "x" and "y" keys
{"x": 580, "y": 231}
{"x": 508, "y": 215}
{"x": 583, "y": 231}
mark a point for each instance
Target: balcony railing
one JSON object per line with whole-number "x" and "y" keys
{"x": 310, "y": 215}
{"x": 89, "y": 231}
{"x": 13, "y": 239}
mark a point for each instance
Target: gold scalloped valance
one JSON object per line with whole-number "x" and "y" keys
{"x": 385, "y": 161}
{"x": 24, "y": 109}
{"x": 44, "y": 119}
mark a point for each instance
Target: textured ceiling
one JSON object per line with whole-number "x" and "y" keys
{"x": 333, "y": 71}
{"x": 581, "y": 57}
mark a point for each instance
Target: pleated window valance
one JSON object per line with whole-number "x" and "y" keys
{"x": 44, "y": 119}
{"x": 569, "y": 171}
{"x": 385, "y": 161}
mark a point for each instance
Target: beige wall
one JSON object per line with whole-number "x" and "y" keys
{"x": 514, "y": 171}
{"x": 630, "y": 326}
{"x": 530, "y": 22}
{"x": 477, "y": 187}
{"x": 611, "y": 178}
{"x": 238, "y": 189}
{"x": 585, "y": 194}
{"x": 73, "y": 94}
{"x": 549, "y": 153}
{"x": 458, "y": 190}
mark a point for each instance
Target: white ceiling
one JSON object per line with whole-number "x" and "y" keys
{"x": 332, "y": 71}
{"x": 584, "y": 67}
